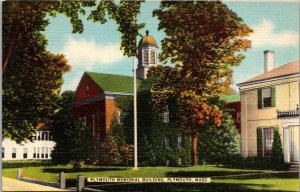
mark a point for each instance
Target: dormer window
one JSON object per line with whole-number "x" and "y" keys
{"x": 145, "y": 56}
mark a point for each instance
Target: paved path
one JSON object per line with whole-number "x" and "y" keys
{"x": 16, "y": 185}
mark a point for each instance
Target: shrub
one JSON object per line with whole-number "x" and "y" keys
{"x": 237, "y": 161}
{"x": 277, "y": 153}
{"x": 26, "y": 163}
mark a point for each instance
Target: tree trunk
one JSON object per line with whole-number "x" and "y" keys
{"x": 194, "y": 156}
{"x": 9, "y": 50}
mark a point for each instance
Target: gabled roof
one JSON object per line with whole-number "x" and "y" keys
{"x": 113, "y": 83}
{"x": 282, "y": 71}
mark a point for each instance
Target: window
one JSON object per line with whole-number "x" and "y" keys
{"x": 42, "y": 154}
{"x": 46, "y": 153}
{"x": 121, "y": 116}
{"x": 152, "y": 56}
{"x": 166, "y": 117}
{"x": 167, "y": 142}
{"x": 43, "y": 135}
{"x": 38, "y": 153}
{"x": 14, "y": 153}
{"x": 50, "y": 152}
{"x": 145, "y": 56}
{"x": 266, "y": 97}
{"x": 34, "y": 152}
{"x": 39, "y": 135}
{"x": 267, "y": 141}
{"x": 3, "y": 152}
{"x": 87, "y": 88}
{"x": 179, "y": 141}
{"x": 25, "y": 152}
{"x": 46, "y": 135}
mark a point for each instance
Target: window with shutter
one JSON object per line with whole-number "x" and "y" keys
{"x": 266, "y": 98}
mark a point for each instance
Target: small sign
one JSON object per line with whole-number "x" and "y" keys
{"x": 149, "y": 180}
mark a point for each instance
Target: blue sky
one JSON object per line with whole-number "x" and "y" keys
{"x": 97, "y": 49}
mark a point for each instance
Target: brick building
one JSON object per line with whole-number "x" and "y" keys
{"x": 94, "y": 100}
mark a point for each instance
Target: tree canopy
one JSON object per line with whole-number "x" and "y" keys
{"x": 204, "y": 39}
{"x": 32, "y": 76}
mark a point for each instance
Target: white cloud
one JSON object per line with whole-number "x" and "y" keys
{"x": 265, "y": 34}
{"x": 85, "y": 53}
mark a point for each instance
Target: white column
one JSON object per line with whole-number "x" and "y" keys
{"x": 286, "y": 145}
{"x": 135, "y": 115}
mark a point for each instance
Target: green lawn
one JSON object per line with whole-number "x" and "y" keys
{"x": 269, "y": 181}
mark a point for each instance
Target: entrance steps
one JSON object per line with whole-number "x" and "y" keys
{"x": 294, "y": 166}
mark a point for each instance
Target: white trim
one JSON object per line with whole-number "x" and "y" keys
{"x": 267, "y": 80}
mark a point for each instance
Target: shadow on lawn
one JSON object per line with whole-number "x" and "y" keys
{"x": 87, "y": 169}
{"x": 204, "y": 173}
{"x": 289, "y": 175}
{"x": 183, "y": 187}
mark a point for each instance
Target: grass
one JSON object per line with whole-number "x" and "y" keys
{"x": 270, "y": 181}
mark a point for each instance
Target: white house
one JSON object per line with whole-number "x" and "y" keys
{"x": 270, "y": 102}
{"x": 40, "y": 148}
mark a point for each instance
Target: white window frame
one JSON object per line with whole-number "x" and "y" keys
{"x": 14, "y": 151}
{"x": 167, "y": 142}
{"x": 25, "y": 151}
{"x": 262, "y": 97}
{"x": 166, "y": 117}
{"x": 179, "y": 141}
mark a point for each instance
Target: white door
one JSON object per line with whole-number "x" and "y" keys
{"x": 294, "y": 143}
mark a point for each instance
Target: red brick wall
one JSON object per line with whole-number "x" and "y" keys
{"x": 82, "y": 93}
{"x": 96, "y": 109}
{"x": 111, "y": 111}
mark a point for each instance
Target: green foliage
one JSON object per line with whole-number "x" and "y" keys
{"x": 217, "y": 143}
{"x": 152, "y": 132}
{"x": 203, "y": 40}
{"x": 117, "y": 131}
{"x": 30, "y": 93}
{"x": 32, "y": 76}
{"x": 146, "y": 153}
{"x": 109, "y": 151}
{"x": 237, "y": 161}
{"x": 74, "y": 140}
{"x": 277, "y": 152}
{"x": 26, "y": 163}
{"x": 127, "y": 153}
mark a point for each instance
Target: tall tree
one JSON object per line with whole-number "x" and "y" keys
{"x": 203, "y": 41}
{"x": 74, "y": 140}
{"x": 32, "y": 76}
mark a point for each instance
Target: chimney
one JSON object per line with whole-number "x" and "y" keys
{"x": 269, "y": 60}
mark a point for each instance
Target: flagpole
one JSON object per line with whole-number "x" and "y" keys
{"x": 135, "y": 115}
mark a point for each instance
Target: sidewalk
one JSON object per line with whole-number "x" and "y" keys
{"x": 16, "y": 185}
